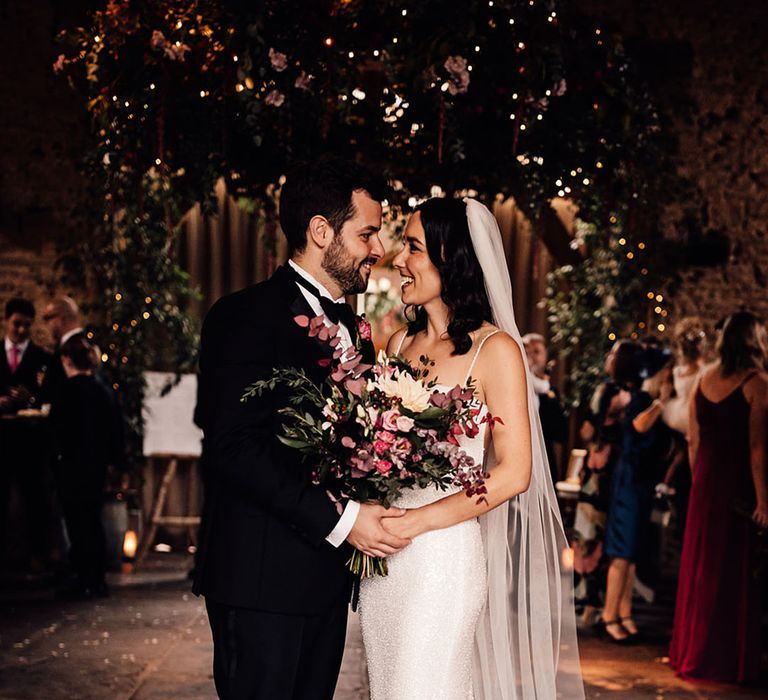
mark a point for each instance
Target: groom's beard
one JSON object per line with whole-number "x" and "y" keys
{"x": 340, "y": 265}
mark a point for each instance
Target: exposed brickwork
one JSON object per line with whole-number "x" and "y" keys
{"x": 706, "y": 61}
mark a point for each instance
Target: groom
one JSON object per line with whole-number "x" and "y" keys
{"x": 273, "y": 547}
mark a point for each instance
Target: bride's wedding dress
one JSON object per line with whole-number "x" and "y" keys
{"x": 483, "y": 609}
{"x": 419, "y": 622}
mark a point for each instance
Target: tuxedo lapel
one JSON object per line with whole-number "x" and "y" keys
{"x": 288, "y": 290}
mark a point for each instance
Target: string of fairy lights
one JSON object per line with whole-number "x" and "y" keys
{"x": 268, "y": 80}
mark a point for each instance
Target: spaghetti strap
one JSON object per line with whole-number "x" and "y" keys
{"x": 477, "y": 352}
{"x": 747, "y": 377}
{"x": 402, "y": 340}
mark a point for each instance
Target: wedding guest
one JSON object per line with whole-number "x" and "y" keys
{"x": 644, "y": 445}
{"x": 62, "y": 316}
{"x": 22, "y": 453}
{"x": 690, "y": 349}
{"x": 716, "y": 633}
{"x": 88, "y": 438}
{"x": 22, "y": 361}
{"x": 554, "y": 424}
{"x": 601, "y": 432}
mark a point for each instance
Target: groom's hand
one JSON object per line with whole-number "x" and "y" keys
{"x": 369, "y": 536}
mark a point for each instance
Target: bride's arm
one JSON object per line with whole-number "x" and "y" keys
{"x": 501, "y": 373}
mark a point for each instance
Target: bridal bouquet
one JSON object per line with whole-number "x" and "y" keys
{"x": 373, "y": 431}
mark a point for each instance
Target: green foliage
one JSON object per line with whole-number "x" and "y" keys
{"x": 528, "y": 99}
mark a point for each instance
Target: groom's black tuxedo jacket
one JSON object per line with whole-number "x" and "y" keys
{"x": 264, "y": 524}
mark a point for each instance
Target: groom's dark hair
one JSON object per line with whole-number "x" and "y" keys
{"x": 324, "y": 187}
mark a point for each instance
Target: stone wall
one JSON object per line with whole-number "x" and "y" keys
{"x": 706, "y": 61}
{"x": 43, "y": 132}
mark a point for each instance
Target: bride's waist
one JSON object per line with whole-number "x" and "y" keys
{"x": 416, "y": 497}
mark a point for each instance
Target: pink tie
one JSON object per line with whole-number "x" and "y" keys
{"x": 14, "y": 358}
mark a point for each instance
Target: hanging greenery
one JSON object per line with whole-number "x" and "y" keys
{"x": 523, "y": 98}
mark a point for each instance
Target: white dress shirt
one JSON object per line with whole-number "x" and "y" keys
{"x": 351, "y": 510}
{"x": 21, "y": 347}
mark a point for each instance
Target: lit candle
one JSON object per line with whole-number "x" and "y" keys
{"x": 130, "y": 544}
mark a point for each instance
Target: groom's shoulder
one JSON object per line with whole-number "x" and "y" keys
{"x": 253, "y": 301}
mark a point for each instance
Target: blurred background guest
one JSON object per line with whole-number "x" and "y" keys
{"x": 690, "y": 348}
{"x": 554, "y": 424}
{"x": 22, "y": 454}
{"x": 62, "y": 316}
{"x": 716, "y": 634}
{"x": 22, "y": 362}
{"x": 601, "y": 432}
{"x": 88, "y": 438}
{"x": 645, "y": 442}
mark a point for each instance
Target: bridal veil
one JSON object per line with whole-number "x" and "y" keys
{"x": 526, "y": 646}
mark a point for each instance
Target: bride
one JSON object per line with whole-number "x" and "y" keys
{"x": 478, "y": 606}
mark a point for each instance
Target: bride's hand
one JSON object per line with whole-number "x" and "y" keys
{"x": 406, "y": 526}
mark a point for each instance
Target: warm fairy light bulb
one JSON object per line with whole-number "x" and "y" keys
{"x": 118, "y": 296}
{"x": 328, "y": 41}
{"x": 661, "y": 327}
{"x": 659, "y": 298}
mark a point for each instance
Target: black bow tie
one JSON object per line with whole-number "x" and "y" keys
{"x": 335, "y": 311}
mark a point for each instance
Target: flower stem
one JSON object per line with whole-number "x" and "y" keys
{"x": 364, "y": 566}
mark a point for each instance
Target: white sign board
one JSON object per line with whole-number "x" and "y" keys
{"x": 168, "y": 424}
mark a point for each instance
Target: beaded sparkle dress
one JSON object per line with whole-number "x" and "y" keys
{"x": 419, "y": 622}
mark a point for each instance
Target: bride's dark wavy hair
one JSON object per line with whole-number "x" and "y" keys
{"x": 450, "y": 249}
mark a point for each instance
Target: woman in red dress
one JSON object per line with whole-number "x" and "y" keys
{"x": 716, "y": 633}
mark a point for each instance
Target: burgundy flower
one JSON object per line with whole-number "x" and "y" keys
{"x": 364, "y": 328}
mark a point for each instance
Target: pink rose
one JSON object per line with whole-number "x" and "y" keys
{"x": 348, "y": 442}
{"x": 278, "y": 60}
{"x": 158, "y": 40}
{"x": 404, "y": 424}
{"x": 58, "y": 64}
{"x": 364, "y": 328}
{"x": 389, "y": 419}
{"x": 459, "y": 75}
{"x": 383, "y": 466}
{"x": 380, "y": 447}
{"x": 302, "y": 81}
{"x": 403, "y": 445}
{"x": 274, "y": 98}
{"x": 386, "y": 436}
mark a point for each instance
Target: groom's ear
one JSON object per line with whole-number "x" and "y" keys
{"x": 319, "y": 231}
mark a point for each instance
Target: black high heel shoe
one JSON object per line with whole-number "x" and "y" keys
{"x": 632, "y": 635}
{"x": 601, "y": 627}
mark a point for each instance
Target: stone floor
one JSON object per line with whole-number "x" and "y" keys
{"x": 150, "y": 641}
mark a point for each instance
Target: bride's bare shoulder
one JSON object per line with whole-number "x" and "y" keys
{"x": 500, "y": 349}
{"x": 396, "y": 339}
